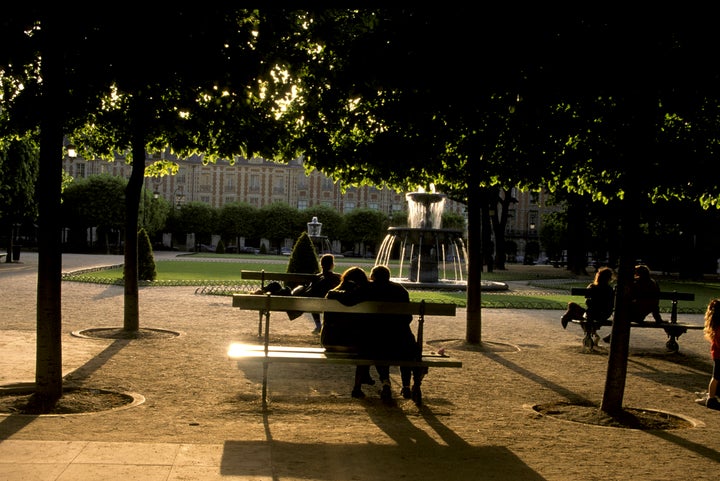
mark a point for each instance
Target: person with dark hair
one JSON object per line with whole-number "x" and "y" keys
{"x": 347, "y": 332}
{"x": 393, "y": 337}
{"x": 326, "y": 280}
{"x": 645, "y": 296}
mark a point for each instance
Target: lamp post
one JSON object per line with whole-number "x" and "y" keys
{"x": 177, "y": 198}
{"x": 530, "y": 234}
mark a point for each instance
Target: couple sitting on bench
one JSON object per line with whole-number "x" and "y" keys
{"x": 374, "y": 335}
{"x": 601, "y": 300}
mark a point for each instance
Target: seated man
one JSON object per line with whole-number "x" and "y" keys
{"x": 645, "y": 296}
{"x": 392, "y": 336}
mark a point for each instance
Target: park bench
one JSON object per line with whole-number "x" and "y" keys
{"x": 288, "y": 278}
{"x": 3, "y": 255}
{"x": 673, "y": 329}
{"x": 267, "y": 354}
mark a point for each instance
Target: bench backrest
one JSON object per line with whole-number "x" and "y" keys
{"x": 665, "y": 295}
{"x": 319, "y": 304}
{"x": 278, "y": 276}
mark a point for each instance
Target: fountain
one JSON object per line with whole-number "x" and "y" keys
{"x": 321, "y": 242}
{"x": 429, "y": 256}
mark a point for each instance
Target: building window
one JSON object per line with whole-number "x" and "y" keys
{"x": 80, "y": 170}
{"x": 229, "y": 182}
{"x": 373, "y": 206}
{"x": 229, "y": 199}
{"x": 348, "y": 206}
{"x": 302, "y": 204}
{"x": 279, "y": 184}
{"x": 254, "y": 183}
{"x": 327, "y": 184}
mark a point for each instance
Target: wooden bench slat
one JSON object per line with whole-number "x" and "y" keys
{"x": 277, "y": 276}
{"x": 663, "y": 295}
{"x": 289, "y": 354}
{"x": 317, "y": 304}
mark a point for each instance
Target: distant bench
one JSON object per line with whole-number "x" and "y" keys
{"x": 267, "y": 354}
{"x": 673, "y": 329}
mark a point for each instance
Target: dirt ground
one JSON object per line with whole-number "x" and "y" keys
{"x": 477, "y": 422}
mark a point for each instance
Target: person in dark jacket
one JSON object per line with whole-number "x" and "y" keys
{"x": 392, "y": 336}
{"x": 326, "y": 280}
{"x": 342, "y": 332}
{"x": 599, "y": 303}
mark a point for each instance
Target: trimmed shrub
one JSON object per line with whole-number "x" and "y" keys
{"x": 146, "y": 260}
{"x": 303, "y": 258}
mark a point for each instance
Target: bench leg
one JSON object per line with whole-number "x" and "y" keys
{"x": 264, "y": 384}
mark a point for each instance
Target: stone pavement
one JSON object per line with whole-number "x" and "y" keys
{"x": 28, "y": 452}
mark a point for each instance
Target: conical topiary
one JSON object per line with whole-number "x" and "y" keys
{"x": 303, "y": 258}
{"x": 146, "y": 260}
{"x": 220, "y": 247}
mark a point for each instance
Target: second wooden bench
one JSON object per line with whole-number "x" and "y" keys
{"x": 673, "y": 329}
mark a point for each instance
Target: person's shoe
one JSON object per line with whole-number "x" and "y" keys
{"x": 659, "y": 321}
{"x": 357, "y": 393}
{"x": 368, "y": 380}
{"x": 713, "y": 403}
{"x": 386, "y": 393}
{"x": 596, "y": 339}
{"x": 607, "y": 338}
{"x": 703, "y": 399}
{"x": 405, "y": 392}
{"x": 564, "y": 320}
{"x": 316, "y": 330}
{"x": 416, "y": 395}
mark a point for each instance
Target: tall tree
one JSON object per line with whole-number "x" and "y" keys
{"x": 583, "y": 103}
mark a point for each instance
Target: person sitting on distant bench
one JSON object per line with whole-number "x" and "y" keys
{"x": 645, "y": 296}
{"x": 600, "y": 302}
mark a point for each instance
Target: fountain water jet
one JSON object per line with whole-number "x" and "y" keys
{"x": 429, "y": 256}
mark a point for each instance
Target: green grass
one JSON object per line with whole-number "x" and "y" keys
{"x": 223, "y": 278}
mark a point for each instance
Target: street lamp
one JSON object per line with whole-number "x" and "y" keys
{"x": 71, "y": 151}
{"x": 530, "y": 234}
{"x": 177, "y": 198}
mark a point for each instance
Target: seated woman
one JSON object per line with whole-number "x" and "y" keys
{"x": 345, "y": 332}
{"x": 599, "y": 303}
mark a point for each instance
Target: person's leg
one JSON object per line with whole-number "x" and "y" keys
{"x": 416, "y": 393}
{"x": 406, "y": 377}
{"x": 710, "y": 400}
{"x": 384, "y": 375}
{"x": 361, "y": 372}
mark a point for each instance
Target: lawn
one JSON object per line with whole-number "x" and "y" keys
{"x": 223, "y": 278}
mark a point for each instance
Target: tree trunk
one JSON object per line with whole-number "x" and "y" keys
{"x": 48, "y": 364}
{"x": 616, "y": 376}
{"x": 131, "y": 318}
{"x": 474, "y": 277}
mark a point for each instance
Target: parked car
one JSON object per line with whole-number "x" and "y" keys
{"x": 249, "y": 250}
{"x": 286, "y": 251}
